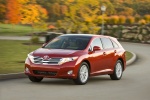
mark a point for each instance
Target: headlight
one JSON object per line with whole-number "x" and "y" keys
{"x": 31, "y": 57}
{"x": 64, "y": 60}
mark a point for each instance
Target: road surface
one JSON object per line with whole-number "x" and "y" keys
{"x": 134, "y": 85}
{"x": 19, "y": 38}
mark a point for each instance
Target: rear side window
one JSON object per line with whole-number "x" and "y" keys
{"x": 115, "y": 44}
{"x": 107, "y": 44}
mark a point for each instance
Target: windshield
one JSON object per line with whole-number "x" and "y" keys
{"x": 69, "y": 42}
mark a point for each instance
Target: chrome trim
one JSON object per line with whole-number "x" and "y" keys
{"x": 50, "y": 61}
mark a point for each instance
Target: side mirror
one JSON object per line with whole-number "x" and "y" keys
{"x": 44, "y": 44}
{"x": 96, "y": 48}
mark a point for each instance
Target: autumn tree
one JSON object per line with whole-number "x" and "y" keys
{"x": 56, "y": 9}
{"x": 2, "y": 9}
{"x": 13, "y": 11}
{"x": 32, "y": 13}
{"x": 85, "y": 12}
{"x": 82, "y": 15}
{"x": 142, "y": 8}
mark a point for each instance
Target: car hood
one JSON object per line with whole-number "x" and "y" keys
{"x": 55, "y": 52}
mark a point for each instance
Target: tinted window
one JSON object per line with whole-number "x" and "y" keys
{"x": 115, "y": 44}
{"x": 107, "y": 44}
{"x": 69, "y": 42}
{"x": 97, "y": 42}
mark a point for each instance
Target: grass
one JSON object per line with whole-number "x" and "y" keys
{"x": 128, "y": 55}
{"x": 16, "y": 30}
{"x": 14, "y": 53}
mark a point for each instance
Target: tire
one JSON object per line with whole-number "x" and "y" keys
{"x": 35, "y": 79}
{"x": 118, "y": 71}
{"x": 83, "y": 74}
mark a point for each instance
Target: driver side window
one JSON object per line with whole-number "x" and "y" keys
{"x": 96, "y": 42}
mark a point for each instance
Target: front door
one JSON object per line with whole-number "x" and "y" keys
{"x": 97, "y": 58}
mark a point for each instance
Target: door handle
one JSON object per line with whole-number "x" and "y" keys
{"x": 104, "y": 53}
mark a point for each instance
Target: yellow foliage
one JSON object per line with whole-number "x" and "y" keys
{"x": 142, "y": 22}
{"x": 23, "y": 1}
{"x": 147, "y": 18}
{"x": 122, "y": 19}
{"x": 26, "y": 1}
{"x": 70, "y": 0}
{"x": 114, "y": 19}
{"x": 130, "y": 19}
{"x": 33, "y": 13}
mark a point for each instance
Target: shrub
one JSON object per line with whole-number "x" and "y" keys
{"x": 35, "y": 39}
{"x": 106, "y": 20}
{"x": 114, "y": 20}
{"x": 130, "y": 20}
{"x": 142, "y": 22}
{"x": 122, "y": 19}
{"x": 137, "y": 18}
{"x": 59, "y": 24}
{"x": 147, "y": 18}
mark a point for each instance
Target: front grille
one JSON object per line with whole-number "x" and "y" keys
{"x": 40, "y": 60}
{"x": 48, "y": 73}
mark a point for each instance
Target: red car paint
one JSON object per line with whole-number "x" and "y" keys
{"x": 100, "y": 61}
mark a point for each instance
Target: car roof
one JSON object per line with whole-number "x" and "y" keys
{"x": 88, "y": 35}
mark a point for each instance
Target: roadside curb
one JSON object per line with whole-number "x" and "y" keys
{"x": 12, "y": 76}
{"x": 130, "y": 61}
{"x": 22, "y": 75}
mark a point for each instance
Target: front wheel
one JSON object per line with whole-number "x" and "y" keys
{"x": 117, "y": 74}
{"x": 35, "y": 79}
{"x": 83, "y": 74}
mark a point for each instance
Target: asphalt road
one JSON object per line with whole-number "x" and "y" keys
{"x": 19, "y": 38}
{"x": 134, "y": 85}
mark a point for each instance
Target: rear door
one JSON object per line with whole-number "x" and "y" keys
{"x": 109, "y": 52}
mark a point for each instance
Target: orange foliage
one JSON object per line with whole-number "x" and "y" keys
{"x": 142, "y": 22}
{"x": 63, "y": 9}
{"x": 130, "y": 19}
{"x": 122, "y": 19}
{"x": 13, "y": 11}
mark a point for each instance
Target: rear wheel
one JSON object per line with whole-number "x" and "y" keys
{"x": 83, "y": 74}
{"x": 117, "y": 74}
{"x": 35, "y": 79}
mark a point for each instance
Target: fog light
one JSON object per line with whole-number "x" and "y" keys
{"x": 27, "y": 69}
{"x": 70, "y": 72}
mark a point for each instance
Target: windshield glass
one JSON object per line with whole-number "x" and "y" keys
{"x": 69, "y": 42}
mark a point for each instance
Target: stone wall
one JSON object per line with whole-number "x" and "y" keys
{"x": 137, "y": 33}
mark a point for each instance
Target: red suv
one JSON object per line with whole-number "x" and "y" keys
{"x": 77, "y": 57}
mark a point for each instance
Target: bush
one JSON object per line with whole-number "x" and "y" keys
{"x": 122, "y": 19}
{"x": 142, "y": 22}
{"x": 114, "y": 20}
{"x": 147, "y": 18}
{"x": 130, "y": 20}
{"x": 106, "y": 20}
{"x": 59, "y": 24}
{"x": 137, "y": 18}
{"x": 35, "y": 39}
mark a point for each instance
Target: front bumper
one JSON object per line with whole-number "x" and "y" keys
{"x": 51, "y": 71}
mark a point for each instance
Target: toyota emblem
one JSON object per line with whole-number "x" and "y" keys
{"x": 46, "y": 57}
